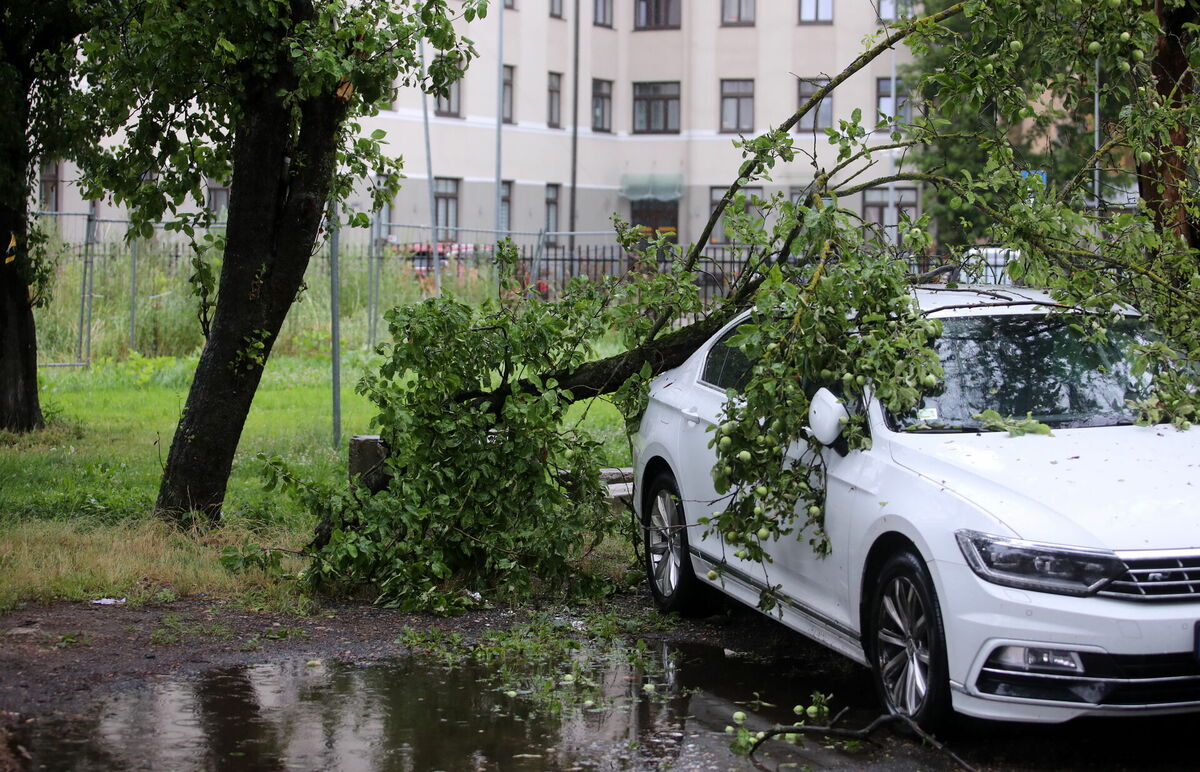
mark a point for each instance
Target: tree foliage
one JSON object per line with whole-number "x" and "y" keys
{"x": 829, "y": 297}
{"x": 264, "y": 95}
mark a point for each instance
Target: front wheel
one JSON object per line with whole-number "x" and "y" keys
{"x": 664, "y": 536}
{"x": 907, "y": 642}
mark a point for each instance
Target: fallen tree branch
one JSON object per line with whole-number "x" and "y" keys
{"x": 858, "y": 734}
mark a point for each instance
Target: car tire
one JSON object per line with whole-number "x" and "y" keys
{"x": 668, "y": 563}
{"x": 906, "y": 642}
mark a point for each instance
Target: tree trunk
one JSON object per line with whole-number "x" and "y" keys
{"x": 19, "y": 408}
{"x": 275, "y": 212}
{"x": 1163, "y": 180}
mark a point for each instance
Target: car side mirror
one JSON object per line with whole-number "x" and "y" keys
{"x": 826, "y": 416}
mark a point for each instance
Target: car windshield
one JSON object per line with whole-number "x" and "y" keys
{"x": 1040, "y": 365}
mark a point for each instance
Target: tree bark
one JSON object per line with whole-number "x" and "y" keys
{"x": 278, "y": 197}
{"x": 20, "y": 410}
{"x": 1163, "y": 180}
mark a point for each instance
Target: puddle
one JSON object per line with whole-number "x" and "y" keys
{"x": 618, "y": 707}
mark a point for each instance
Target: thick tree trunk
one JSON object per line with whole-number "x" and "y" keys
{"x": 276, "y": 209}
{"x": 19, "y": 408}
{"x": 1163, "y": 180}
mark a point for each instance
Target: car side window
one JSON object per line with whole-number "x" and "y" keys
{"x": 726, "y": 366}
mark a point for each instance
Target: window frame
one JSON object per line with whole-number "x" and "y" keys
{"x": 650, "y": 100}
{"x": 715, "y": 194}
{"x": 506, "y": 193}
{"x": 50, "y": 186}
{"x": 554, "y": 100}
{"x": 602, "y": 99}
{"x": 722, "y": 345}
{"x": 602, "y": 13}
{"x": 911, "y": 207}
{"x": 507, "y": 91}
{"x": 657, "y": 14}
{"x": 904, "y": 115}
{"x": 815, "y": 122}
{"x": 741, "y": 101}
{"x": 738, "y": 17}
{"x": 816, "y": 17}
{"x": 451, "y": 105}
{"x": 447, "y": 201}
{"x": 553, "y": 197}
{"x": 216, "y": 198}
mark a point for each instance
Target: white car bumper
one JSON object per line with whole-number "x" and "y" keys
{"x": 1129, "y": 656}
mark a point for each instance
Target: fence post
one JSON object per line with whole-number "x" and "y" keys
{"x": 335, "y": 337}
{"x": 133, "y": 256}
{"x": 535, "y": 269}
{"x": 85, "y": 304}
{"x": 372, "y": 245}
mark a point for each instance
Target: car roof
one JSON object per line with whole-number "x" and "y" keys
{"x": 940, "y": 300}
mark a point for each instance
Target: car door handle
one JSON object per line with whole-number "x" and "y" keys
{"x": 691, "y": 414}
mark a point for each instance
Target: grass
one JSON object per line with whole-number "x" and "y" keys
{"x": 75, "y": 499}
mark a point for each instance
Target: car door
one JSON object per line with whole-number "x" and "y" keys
{"x": 724, "y": 368}
{"x": 820, "y": 583}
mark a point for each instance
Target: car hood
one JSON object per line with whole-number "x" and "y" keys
{"x": 1120, "y": 487}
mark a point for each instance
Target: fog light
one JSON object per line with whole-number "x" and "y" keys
{"x": 1030, "y": 658}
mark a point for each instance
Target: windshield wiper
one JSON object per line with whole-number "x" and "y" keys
{"x": 967, "y": 427}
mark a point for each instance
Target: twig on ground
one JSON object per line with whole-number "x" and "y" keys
{"x": 857, "y": 734}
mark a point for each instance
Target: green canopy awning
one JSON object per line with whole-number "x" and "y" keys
{"x": 652, "y": 187}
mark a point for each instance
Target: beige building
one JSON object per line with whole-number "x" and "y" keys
{"x": 664, "y": 87}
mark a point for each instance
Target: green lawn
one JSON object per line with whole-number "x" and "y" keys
{"x": 75, "y": 499}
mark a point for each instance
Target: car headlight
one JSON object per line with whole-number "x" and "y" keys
{"x": 1033, "y": 566}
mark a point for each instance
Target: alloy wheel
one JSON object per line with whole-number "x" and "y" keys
{"x": 902, "y": 645}
{"x": 664, "y": 544}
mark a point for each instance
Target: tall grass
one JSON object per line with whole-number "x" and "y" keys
{"x": 165, "y": 309}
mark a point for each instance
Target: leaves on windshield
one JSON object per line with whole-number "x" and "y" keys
{"x": 992, "y": 421}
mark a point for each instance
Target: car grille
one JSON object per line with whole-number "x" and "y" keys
{"x": 1157, "y": 579}
{"x": 1119, "y": 681}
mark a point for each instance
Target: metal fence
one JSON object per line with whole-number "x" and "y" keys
{"x": 382, "y": 257}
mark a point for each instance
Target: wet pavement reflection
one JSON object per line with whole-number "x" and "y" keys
{"x": 667, "y": 708}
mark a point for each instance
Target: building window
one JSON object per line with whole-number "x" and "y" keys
{"x": 898, "y": 109}
{"x": 875, "y": 209}
{"x": 816, "y": 11}
{"x": 820, "y": 117}
{"x": 216, "y": 200}
{"x": 49, "y": 190}
{"x": 506, "y": 187}
{"x": 719, "y": 236}
{"x": 554, "y": 101}
{"x": 890, "y": 10}
{"x": 737, "y": 105}
{"x": 656, "y": 108}
{"x": 656, "y": 14}
{"x": 510, "y": 3}
{"x": 556, "y": 8}
{"x": 552, "y": 194}
{"x": 507, "y": 99}
{"x": 603, "y": 17}
{"x": 737, "y": 12}
{"x": 601, "y": 105}
{"x": 445, "y": 203}
{"x": 449, "y": 105}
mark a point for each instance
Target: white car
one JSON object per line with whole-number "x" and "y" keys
{"x": 1028, "y": 578}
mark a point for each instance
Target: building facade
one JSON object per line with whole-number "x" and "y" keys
{"x": 629, "y": 107}
{"x": 645, "y": 124}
